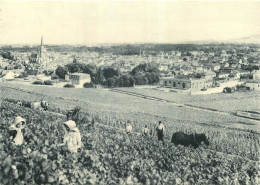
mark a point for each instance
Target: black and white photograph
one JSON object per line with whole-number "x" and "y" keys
{"x": 130, "y": 92}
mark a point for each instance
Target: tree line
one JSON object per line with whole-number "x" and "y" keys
{"x": 142, "y": 74}
{"x": 134, "y": 49}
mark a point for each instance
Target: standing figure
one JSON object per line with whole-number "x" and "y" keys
{"x": 20, "y": 103}
{"x": 72, "y": 138}
{"x": 129, "y": 127}
{"x": 16, "y": 130}
{"x": 145, "y": 131}
{"x": 160, "y": 131}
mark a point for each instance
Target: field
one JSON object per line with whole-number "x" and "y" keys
{"x": 112, "y": 157}
{"x": 249, "y": 100}
{"x": 130, "y": 159}
{"x": 106, "y": 102}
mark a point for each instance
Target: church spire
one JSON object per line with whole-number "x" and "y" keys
{"x": 42, "y": 41}
{"x": 40, "y": 59}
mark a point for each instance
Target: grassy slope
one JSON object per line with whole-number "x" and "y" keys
{"x": 224, "y": 101}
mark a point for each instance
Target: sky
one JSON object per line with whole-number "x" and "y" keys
{"x": 88, "y": 22}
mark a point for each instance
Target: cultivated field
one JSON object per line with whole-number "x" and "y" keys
{"x": 125, "y": 106}
{"x": 117, "y": 108}
{"x": 112, "y": 157}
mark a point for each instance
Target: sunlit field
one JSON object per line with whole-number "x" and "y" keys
{"x": 249, "y": 100}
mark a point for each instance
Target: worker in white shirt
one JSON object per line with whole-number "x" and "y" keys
{"x": 160, "y": 131}
{"x": 129, "y": 127}
{"x": 72, "y": 138}
{"x": 145, "y": 130}
{"x": 16, "y": 130}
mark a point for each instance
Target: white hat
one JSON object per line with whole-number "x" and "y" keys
{"x": 19, "y": 119}
{"x": 72, "y": 125}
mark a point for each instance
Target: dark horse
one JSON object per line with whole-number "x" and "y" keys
{"x": 79, "y": 117}
{"x": 195, "y": 140}
{"x": 73, "y": 114}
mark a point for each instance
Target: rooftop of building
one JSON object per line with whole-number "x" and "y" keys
{"x": 257, "y": 81}
{"x": 167, "y": 77}
{"x": 80, "y": 74}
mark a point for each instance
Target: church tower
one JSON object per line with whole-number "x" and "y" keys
{"x": 38, "y": 57}
{"x": 40, "y": 54}
{"x": 41, "y": 50}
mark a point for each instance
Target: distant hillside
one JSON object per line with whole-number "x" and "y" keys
{"x": 254, "y": 39}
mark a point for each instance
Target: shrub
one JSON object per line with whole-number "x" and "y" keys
{"x": 48, "y": 82}
{"x": 240, "y": 86}
{"x": 69, "y": 86}
{"x": 55, "y": 77}
{"x": 88, "y": 85}
{"x": 61, "y": 72}
{"x": 47, "y": 72}
{"x": 227, "y": 90}
{"x": 38, "y": 83}
{"x": 23, "y": 75}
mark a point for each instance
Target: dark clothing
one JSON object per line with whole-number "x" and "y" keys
{"x": 160, "y": 135}
{"x": 12, "y": 133}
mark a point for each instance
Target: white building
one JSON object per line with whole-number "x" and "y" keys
{"x": 9, "y": 76}
{"x": 253, "y": 85}
{"x": 78, "y": 79}
{"x": 185, "y": 83}
{"x": 223, "y": 75}
{"x": 256, "y": 74}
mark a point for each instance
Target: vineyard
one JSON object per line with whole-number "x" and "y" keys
{"x": 109, "y": 156}
{"x": 108, "y": 103}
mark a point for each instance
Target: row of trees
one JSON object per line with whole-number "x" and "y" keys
{"x": 249, "y": 67}
{"x": 7, "y": 55}
{"x": 134, "y": 49}
{"x": 111, "y": 77}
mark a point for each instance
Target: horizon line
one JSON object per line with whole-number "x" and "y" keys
{"x": 134, "y": 43}
{"x": 209, "y": 41}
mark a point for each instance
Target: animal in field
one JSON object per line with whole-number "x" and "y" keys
{"x": 42, "y": 105}
{"x": 26, "y": 104}
{"x": 73, "y": 114}
{"x": 194, "y": 140}
{"x": 23, "y": 103}
{"x": 78, "y": 116}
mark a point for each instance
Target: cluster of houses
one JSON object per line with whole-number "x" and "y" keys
{"x": 199, "y": 71}
{"x": 193, "y": 73}
{"x": 187, "y": 71}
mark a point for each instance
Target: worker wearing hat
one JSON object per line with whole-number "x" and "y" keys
{"x": 16, "y": 130}
{"x": 72, "y": 138}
